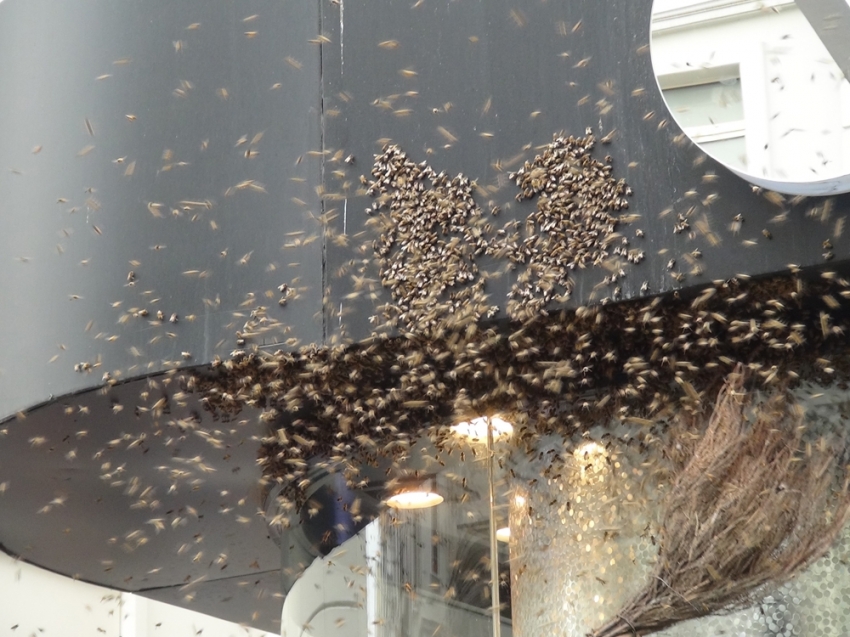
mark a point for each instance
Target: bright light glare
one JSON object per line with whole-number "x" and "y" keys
{"x": 476, "y": 429}
{"x": 414, "y": 500}
{"x": 503, "y": 534}
{"x": 588, "y": 450}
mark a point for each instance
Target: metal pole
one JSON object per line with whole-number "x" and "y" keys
{"x": 494, "y": 549}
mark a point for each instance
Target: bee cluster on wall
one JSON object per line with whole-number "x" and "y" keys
{"x": 431, "y": 232}
{"x": 574, "y": 225}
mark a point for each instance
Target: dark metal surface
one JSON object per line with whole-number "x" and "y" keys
{"x": 252, "y": 600}
{"x": 134, "y": 499}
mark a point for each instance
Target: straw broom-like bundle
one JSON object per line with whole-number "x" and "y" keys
{"x": 752, "y": 507}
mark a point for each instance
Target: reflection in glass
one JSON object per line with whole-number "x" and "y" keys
{"x": 757, "y": 90}
{"x": 706, "y": 104}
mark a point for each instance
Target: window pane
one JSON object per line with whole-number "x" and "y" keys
{"x": 712, "y": 103}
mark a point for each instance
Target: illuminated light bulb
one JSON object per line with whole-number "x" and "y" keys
{"x": 419, "y": 499}
{"x": 476, "y": 429}
{"x": 503, "y": 534}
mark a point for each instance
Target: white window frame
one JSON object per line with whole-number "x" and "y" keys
{"x": 708, "y": 132}
{"x": 705, "y": 11}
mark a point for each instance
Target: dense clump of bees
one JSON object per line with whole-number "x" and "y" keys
{"x": 640, "y": 361}
{"x": 434, "y": 357}
{"x": 431, "y": 232}
{"x": 575, "y": 223}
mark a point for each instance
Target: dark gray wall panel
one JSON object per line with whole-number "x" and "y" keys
{"x": 50, "y": 202}
{"x": 545, "y": 66}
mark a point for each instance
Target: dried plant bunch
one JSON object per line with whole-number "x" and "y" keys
{"x": 755, "y": 504}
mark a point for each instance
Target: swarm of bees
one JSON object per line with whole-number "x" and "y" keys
{"x": 431, "y": 232}
{"x": 640, "y": 361}
{"x": 436, "y": 358}
{"x": 575, "y": 223}
{"x": 442, "y": 349}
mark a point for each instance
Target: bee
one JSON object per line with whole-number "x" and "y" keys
{"x": 518, "y": 18}
{"x": 774, "y": 197}
{"x": 446, "y": 134}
